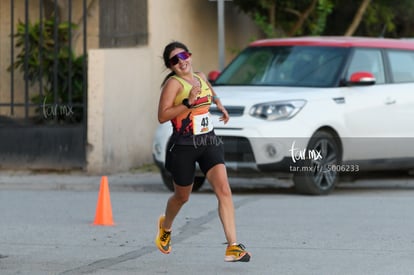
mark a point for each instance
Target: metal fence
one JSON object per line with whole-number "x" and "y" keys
{"x": 43, "y": 116}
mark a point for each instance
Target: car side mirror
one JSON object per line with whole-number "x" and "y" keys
{"x": 213, "y": 75}
{"x": 361, "y": 79}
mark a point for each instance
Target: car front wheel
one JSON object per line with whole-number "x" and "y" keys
{"x": 168, "y": 181}
{"x": 318, "y": 175}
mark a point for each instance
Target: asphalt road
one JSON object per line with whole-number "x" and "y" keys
{"x": 361, "y": 228}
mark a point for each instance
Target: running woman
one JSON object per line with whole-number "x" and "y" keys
{"x": 185, "y": 101}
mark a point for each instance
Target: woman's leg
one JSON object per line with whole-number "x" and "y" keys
{"x": 217, "y": 176}
{"x": 174, "y": 204}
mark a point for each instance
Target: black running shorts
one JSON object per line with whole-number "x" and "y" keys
{"x": 181, "y": 161}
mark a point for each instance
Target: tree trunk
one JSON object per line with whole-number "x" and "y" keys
{"x": 272, "y": 17}
{"x": 358, "y": 17}
{"x": 302, "y": 17}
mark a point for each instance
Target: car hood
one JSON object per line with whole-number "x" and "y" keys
{"x": 246, "y": 95}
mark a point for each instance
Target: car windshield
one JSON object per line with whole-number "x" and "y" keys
{"x": 306, "y": 66}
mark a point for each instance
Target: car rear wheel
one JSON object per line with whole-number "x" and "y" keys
{"x": 168, "y": 181}
{"x": 319, "y": 173}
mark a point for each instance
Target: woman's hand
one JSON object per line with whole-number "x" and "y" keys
{"x": 225, "y": 117}
{"x": 194, "y": 93}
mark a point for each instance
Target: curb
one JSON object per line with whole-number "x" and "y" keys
{"x": 79, "y": 181}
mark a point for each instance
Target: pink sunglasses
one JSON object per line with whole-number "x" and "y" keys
{"x": 176, "y": 58}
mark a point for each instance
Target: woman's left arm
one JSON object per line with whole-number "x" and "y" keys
{"x": 216, "y": 100}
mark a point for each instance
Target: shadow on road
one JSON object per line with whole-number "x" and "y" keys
{"x": 368, "y": 182}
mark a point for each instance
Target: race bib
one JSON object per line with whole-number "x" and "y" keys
{"x": 202, "y": 124}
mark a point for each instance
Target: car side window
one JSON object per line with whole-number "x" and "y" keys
{"x": 402, "y": 65}
{"x": 367, "y": 60}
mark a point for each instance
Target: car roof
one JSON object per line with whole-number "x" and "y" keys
{"x": 337, "y": 41}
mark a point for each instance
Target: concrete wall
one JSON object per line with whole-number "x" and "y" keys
{"x": 121, "y": 115}
{"x": 194, "y": 22}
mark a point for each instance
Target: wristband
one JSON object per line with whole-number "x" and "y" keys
{"x": 186, "y": 103}
{"x": 215, "y": 99}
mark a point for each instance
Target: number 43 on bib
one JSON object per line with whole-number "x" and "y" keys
{"x": 202, "y": 124}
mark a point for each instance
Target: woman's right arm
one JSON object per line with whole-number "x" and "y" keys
{"x": 166, "y": 108}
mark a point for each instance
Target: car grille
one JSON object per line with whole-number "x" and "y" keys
{"x": 237, "y": 149}
{"x": 232, "y": 110}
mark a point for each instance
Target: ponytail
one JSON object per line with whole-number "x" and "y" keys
{"x": 167, "y": 77}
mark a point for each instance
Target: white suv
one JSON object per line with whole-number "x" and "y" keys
{"x": 313, "y": 107}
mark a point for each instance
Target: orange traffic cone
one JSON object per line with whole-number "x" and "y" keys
{"x": 103, "y": 214}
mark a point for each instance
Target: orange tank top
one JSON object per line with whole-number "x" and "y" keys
{"x": 196, "y": 121}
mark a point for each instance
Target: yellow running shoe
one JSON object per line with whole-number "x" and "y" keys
{"x": 236, "y": 253}
{"x": 163, "y": 239}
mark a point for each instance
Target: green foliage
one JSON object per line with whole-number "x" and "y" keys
{"x": 403, "y": 19}
{"x": 330, "y": 17}
{"x": 280, "y": 18}
{"x": 379, "y": 19}
{"x": 323, "y": 10}
{"x": 52, "y": 62}
{"x": 263, "y": 23}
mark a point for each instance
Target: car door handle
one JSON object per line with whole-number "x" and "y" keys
{"x": 339, "y": 100}
{"x": 390, "y": 101}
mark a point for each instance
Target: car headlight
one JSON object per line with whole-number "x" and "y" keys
{"x": 277, "y": 110}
